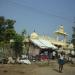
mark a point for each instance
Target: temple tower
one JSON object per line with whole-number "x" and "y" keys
{"x": 60, "y": 32}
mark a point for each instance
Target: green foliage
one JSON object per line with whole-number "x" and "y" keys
{"x": 2, "y": 20}
{"x": 18, "y": 38}
{"x": 7, "y": 30}
{"x": 18, "y": 45}
{"x": 2, "y": 28}
{"x": 24, "y": 32}
{"x": 9, "y": 34}
{"x": 10, "y": 23}
{"x": 73, "y": 37}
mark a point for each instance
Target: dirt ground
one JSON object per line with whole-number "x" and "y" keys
{"x": 34, "y": 69}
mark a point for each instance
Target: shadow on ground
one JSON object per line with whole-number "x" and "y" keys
{"x": 56, "y": 70}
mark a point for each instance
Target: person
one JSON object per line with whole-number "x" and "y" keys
{"x": 70, "y": 58}
{"x": 53, "y": 55}
{"x": 61, "y": 61}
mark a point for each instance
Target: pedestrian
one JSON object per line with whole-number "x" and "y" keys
{"x": 61, "y": 61}
{"x": 53, "y": 55}
{"x": 70, "y": 58}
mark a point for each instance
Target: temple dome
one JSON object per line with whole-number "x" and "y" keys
{"x": 34, "y": 35}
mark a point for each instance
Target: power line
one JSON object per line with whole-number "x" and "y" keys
{"x": 39, "y": 11}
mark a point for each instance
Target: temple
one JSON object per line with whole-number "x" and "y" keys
{"x": 59, "y": 33}
{"x": 41, "y": 44}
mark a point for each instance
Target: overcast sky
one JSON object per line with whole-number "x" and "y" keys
{"x": 42, "y": 15}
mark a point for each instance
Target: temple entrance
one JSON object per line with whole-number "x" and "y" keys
{"x": 46, "y": 54}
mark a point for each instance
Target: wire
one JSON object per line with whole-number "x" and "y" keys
{"x": 39, "y": 11}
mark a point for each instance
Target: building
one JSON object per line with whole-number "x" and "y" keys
{"x": 38, "y": 44}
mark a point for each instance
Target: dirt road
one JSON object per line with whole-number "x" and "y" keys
{"x": 22, "y": 69}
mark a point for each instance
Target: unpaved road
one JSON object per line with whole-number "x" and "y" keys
{"x": 22, "y": 69}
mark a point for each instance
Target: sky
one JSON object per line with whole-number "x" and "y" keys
{"x": 43, "y": 16}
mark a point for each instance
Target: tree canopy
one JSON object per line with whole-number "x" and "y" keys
{"x": 7, "y": 30}
{"x": 73, "y": 37}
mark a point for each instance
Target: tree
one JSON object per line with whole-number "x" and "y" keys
{"x": 10, "y": 31}
{"x": 18, "y": 45}
{"x": 24, "y": 32}
{"x": 10, "y": 23}
{"x": 73, "y": 37}
{"x": 7, "y": 30}
{"x": 2, "y": 28}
